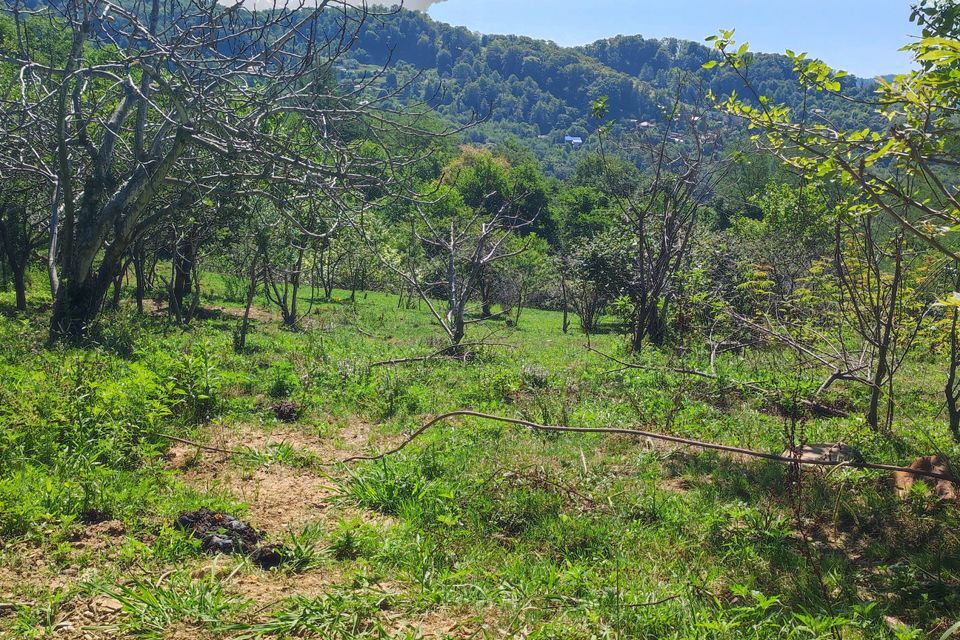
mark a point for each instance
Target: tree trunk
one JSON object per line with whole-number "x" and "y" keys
{"x": 486, "y": 292}
{"x": 20, "y": 286}
{"x": 78, "y": 303}
{"x": 885, "y": 335}
{"x": 182, "y": 274}
{"x": 566, "y": 304}
{"x": 138, "y": 270}
{"x": 291, "y": 319}
{"x": 54, "y": 243}
{"x": 240, "y": 344}
{"x": 658, "y": 324}
{"x": 952, "y": 389}
{"x": 458, "y": 328}
{"x": 117, "y": 290}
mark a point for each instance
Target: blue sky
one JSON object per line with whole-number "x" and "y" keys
{"x": 860, "y": 36}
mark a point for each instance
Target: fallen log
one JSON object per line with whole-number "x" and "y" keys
{"x": 792, "y": 459}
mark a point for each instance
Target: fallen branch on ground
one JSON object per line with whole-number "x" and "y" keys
{"x": 811, "y": 405}
{"x": 363, "y": 332}
{"x": 232, "y": 452}
{"x": 446, "y": 352}
{"x": 644, "y": 434}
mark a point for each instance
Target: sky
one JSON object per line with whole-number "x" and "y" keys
{"x": 859, "y": 36}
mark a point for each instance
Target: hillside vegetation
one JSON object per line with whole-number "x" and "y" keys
{"x": 476, "y": 529}
{"x": 338, "y": 323}
{"x": 538, "y": 92}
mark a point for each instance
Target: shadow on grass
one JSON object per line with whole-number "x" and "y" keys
{"x": 834, "y": 541}
{"x": 32, "y": 312}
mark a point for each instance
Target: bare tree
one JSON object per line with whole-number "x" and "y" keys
{"x": 148, "y": 90}
{"x": 871, "y": 273}
{"x": 459, "y": 244}
{"x": 330, "y": 255}
{"x": 682, "y": 169}
{"x": 878, "y": 300}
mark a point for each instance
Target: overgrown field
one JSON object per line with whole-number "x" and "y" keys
{"x": 475, "y": 530}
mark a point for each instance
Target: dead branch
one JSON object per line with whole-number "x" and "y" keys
{"x": 643, "y": 434}
{"x": 204, "y": 447}
{"x": 654, "y": 603}
{"x": 811, "y": 405}
{"x": 450, "y": 351}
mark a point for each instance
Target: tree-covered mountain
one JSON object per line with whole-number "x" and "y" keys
{"x": 540, "y": 92}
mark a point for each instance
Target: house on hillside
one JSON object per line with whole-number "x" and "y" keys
{"x": 573, "y": 141}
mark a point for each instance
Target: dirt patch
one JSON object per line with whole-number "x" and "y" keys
{"x": 354, "y": 437}
{"x": 443, "y": 623}
{"x": 89, "y": 619}
{"x": 280, "y": 499}
{"x": 245, "y": 436}
{"x": 260, "y": 315}
{"x": 160, "y": 307}
{"x": 677, "y": 484}
{"x": 100, "y": 536}
{"x": 270, "y": 588}
{"x": 27, "y": 569}
{"x": 347, "y": 438}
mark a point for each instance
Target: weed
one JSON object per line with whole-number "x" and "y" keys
{"x": 333, "y": 616}
{"x": 353, "y": 539}
{"x": 195, "y": 382}
{"x": 302, "y": 551}
{"x": 152, "y": 609}
{"x": 283, "y": 380}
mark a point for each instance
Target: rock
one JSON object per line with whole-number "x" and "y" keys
{"x": 837, "y": 452}
{"x": 286, "y": 411}
{"x": 215, "y": 543}
{"x": 943, "y": 489}
{"x": 219, "y": 532}
{"x": 269, "y": 556}
{"x": 63, "y": 627}
{"x": 222, "y": 533}
{"x": 108, "y": 606}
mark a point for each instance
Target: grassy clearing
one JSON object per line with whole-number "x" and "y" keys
{"x": 477, "y": 530}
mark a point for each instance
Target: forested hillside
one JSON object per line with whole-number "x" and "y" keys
{"x": 539, "y": 92}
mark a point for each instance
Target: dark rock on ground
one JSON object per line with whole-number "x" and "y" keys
{"x": 269, "y": 556}
{"x": 222, "y": 533}
{"x": 219, "y": 532}
{"x": 286, "y": 411}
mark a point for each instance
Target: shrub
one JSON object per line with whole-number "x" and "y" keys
{"x": 195, "y": 384}
{"x": 283, "y": 380}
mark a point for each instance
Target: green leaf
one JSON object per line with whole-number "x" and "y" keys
{"x": 952, "y": 631}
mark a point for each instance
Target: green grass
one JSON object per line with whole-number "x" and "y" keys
{"x": 537, "y": 535}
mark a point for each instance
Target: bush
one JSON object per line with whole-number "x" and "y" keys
{"x": 283, "y": 380}
{"x": 195, "y": 384}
